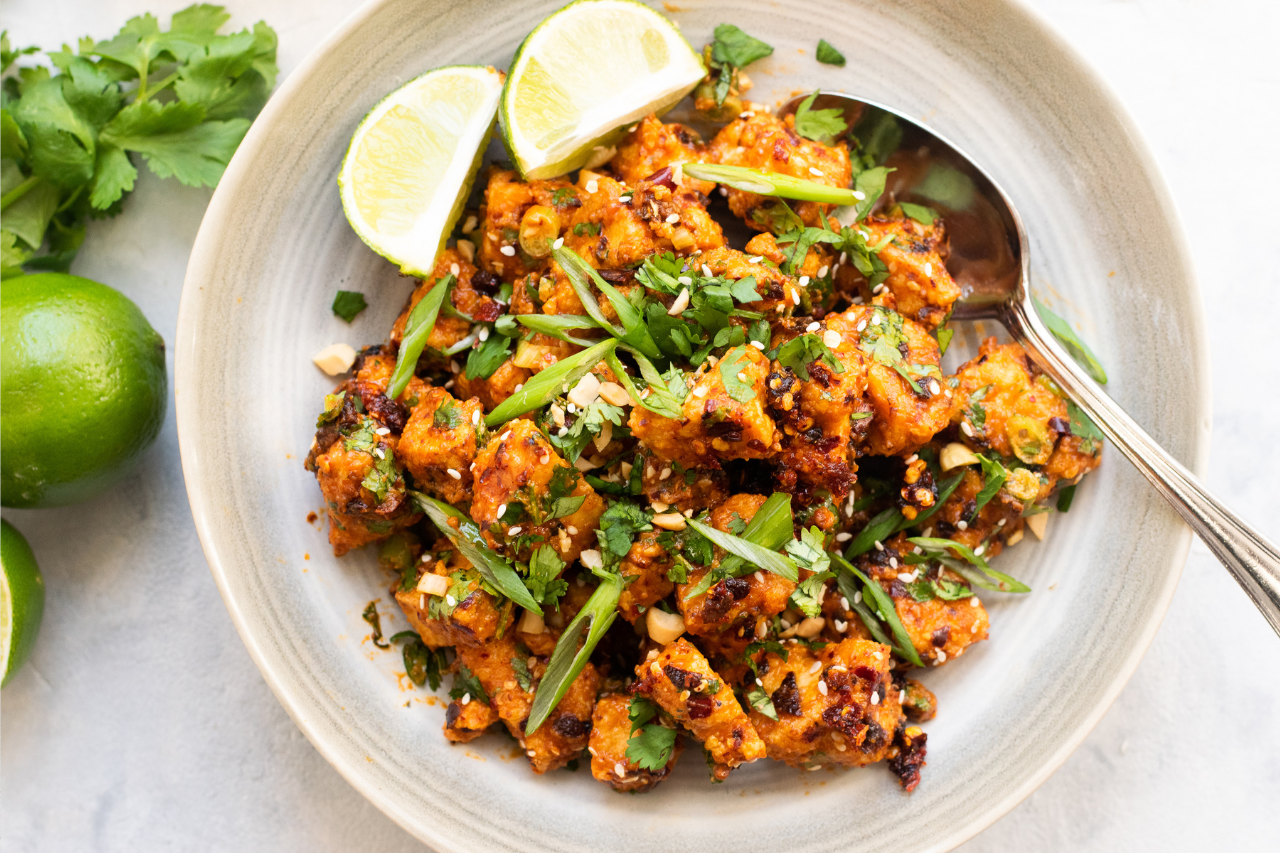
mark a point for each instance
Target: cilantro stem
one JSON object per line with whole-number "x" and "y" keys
{"x": 19, "y": 191}
{"x": 568, "y": 660}
{"x": 771, "y": 184}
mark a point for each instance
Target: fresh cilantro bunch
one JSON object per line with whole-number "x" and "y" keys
{"x": 180, "y": 99}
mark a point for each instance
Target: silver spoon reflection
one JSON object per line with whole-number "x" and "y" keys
{"x": 990, "y": 262}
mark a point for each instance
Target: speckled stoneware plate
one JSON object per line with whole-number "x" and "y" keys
{"x": 1107, "y": 251}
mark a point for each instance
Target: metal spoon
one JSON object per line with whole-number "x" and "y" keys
{"x": 990, "y": 260}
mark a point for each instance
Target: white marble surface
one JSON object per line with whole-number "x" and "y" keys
{"x": 142, "y": 724}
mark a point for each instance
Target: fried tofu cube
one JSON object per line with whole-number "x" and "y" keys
{"x": 520, "y": 481}
{"x": 682, "y": 683}
{"x": 652, "y": 146}
{"x": 825, "y": 701}
{"x": 723, "y": 416}
{"x": 610, "y": 734}
{"x": 508, "y": 201}
{"x": 439, "y": 444}
{"x": 447, "y": 331}
{"x": 647, "y": 562}
{"x": 918, "y": 285}
{"x": 563, "y": 735}
{"x": 764, "y": 141}
{"x": 465, "y": 723}
{"x": 472, "y": 620}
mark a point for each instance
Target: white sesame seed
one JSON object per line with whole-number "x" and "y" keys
{"x": 973, "y": 629}
{"x": 813, "y": 327}
{"x": 875, "y": 321}
{"x": 759, "y": 576}
{"x": 860, "y": 196}
{"x": 483, "y": 334}
{"x": 844, "y": 603}
{"x": 450, "y": 600}
{"x": 759, "y": 682}
{"x": 592, "y": 185}
{"x": 875, "y": 698}
{"x": 685, "y": 280}
{"x": 426, "y": 558}
{"x": 466, "y": 697}
{"x": 841, "y": 626}
{"x": 454, "y": 474}
{"x": 973, "y": 601}
{"x": 844, "y": 256}
{"x": 673, "y": 219}
{"x": 571, "y": 530}
{"x": 906, "y": 577}
{"x": 509, "y": 251}
{"x": 879, "y": 288}
{"x": 514, "y": 531}
{"x": 706, "y": 271}
{"x": 473, "y": 467}
{"x": 879, "y": 545}
{"x": 381, "y": 431}
{"x": 928, "y": 269}
{"x": 893, "y": 562}
{"x": 817, "y": 173}
{"x": 817, "y": 665}
{"x": 966, "y": 429}
{"x": 378, "y": 451}
{"x": 502, "y": 510}
{"x": 448, "y": 385}
{"x": 758, "y": 345}
{"x": 558, "y": 243}
{"x": 934, "y": 387}
{"x": 942, "y": 658}
{"x": 625, "y": 199}
{"x": 455, "y": 269}
{"x": 666, "y": 472}
{"x": 815, "y": 767}
{"x": 978, "y": 551}
{"x": 620, "y": 769}
{"x": 723, "y": 191}
{"x": 505, "y": 436}
{"x": 454, "y": 366}
{"x": 902, "y": 696}
{"x": 823, "y": 270}
{"x": 962, "y": 525}
{"x": 1001, "y": 522}
{"x": 755, "y": 259}
{"x": 822, "y": 687}
{"x": 746, "y": 114}
{"x": 862, "y": 325}
{"x": 519, "y": 387}
{"x": 831, "y": 338}
{"x": 795, "y": 297}
{"x": 857, "y": 598}
{"x": 804, "y": 281}
{"x": 843, "y": 537}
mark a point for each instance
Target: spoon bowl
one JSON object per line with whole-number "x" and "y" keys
{"x": 990, "y": 261}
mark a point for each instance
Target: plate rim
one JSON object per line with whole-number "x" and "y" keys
{"x": 185, "y": 362}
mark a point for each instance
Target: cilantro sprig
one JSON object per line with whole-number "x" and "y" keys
{"x": 180, "y": 99}
{"x": 651, "y": 744}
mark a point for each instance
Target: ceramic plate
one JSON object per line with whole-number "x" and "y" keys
{"x": 1107, "y": 251}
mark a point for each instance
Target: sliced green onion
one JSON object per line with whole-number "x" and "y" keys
{"x": 417, "y": 328}
{"x": 770, "y": 183}
{"x": 771, "y": 527}
{"x": 1003, "y": 583}
{"x": 884, "y": 605}
{"x": 846, "y": 581}
{"x": 568, "y": 660}
{"x": 581, "y": 276}
{"x": 757, "y": 555}
{"x": 493, "y": 567}
{"x": 547, "y": 385}
{"x": 1077, "y": 348}
{"x": 660, "y": 400}
{"x": 878, "y": 529}
{"x": 995, "y": 475}
{"x": 559, "y": 325}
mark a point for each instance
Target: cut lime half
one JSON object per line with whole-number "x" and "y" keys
{"x": 21, "y": 600}
{"x": 586, "y": 72}
{"x": 409, "y": 168}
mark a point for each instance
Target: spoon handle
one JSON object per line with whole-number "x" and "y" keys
{"x": 1252, "y": 560}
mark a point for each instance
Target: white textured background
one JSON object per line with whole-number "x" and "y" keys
{"x": 142, "y": 724}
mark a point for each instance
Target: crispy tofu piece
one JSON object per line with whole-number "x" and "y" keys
{"x": 440, "y": 438}
{"x": 778, "y": 292}
{"x": 918, "y": 286}
{"x": 465, "y": 723}
{"x": 668, "y": 482}
{"x": 647, "y": 562}
{"x": 449, "y": 330}
{"x": 918, "y": 702}
{"x": 682, "y": 683}
{"x": 472, "y": 620}
{"x": 818, "y": 295}
{"x": 996, "y": 523}
{"x": 652, "y": 146}
{"x": 715, "y": 424}
{"x": 905, "y": 420}
{"x": 345, "y": 470}
{"x": 825, "y": 701}
{"x": 564, "y": 733}
{"x": 504, "y": 382}
{"x": 764, "y": 141}
{"x": 610, "y": 733}
{"x": 515, "y": 470}
{"x": 507, "y": 200}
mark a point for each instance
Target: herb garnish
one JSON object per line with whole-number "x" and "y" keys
{"x": 819, "y": 125}
{"x": 485, "y": 359}
{"x": 421, "y": 664}
{"x": 651, "y": 744}
{"x": 465, "y": 684}
{"x": 732, "y": 51}
{"x": 800, "y": 352}
{"x": 370, "y": 615}
{"x": 829, "y": 55}
{"x": 348, "y": 303}
{"x": 417, "y": 329}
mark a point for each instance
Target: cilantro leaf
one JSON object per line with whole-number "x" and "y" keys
{"x": 175, "y": 140}
{"x": 800, "y": 352}
{"x": 544, "y": 584}
{"x": 994, "y": 474}
{"x": 484, "y": 360}
{"x": 807, "y": 597}
{"x": 734, "y": 47}
{"x": 819, "y": 125}
{"x": 447, "y": 415}
{"x": 809, "y": 550}
{"x": 651, "y": 744}
{"x": 619, "y": 525}
{"x": 919, "y": 212}
{"x": 1077, "y": 348}
{"x": 759, "y": 700}
{"x": 523, "y": 677}
{"x": 828, "y": 55}
{"x": 465, "y": 683}
{"x": 731, "y": 366}
{"x": 347, "y": 304}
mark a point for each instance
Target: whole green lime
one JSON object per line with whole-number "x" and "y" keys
{"x": 21, "y": 600}
{"x": 82, "y": 388}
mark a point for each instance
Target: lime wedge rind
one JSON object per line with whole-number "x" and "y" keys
{"x": 596, "y": 108}
{"x": 416, "y": 236}
{"x": 21, "y": 600}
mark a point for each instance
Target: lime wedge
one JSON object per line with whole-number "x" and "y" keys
{"x": 409, "y": 168}
{"x": 21, "y": 600}
{"x": 586, "y": 72}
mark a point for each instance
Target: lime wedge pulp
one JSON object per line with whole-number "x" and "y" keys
{"x": 409, "y": 168}
{"x": 583, "y": 74}
{"x": 21, "y": 599}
